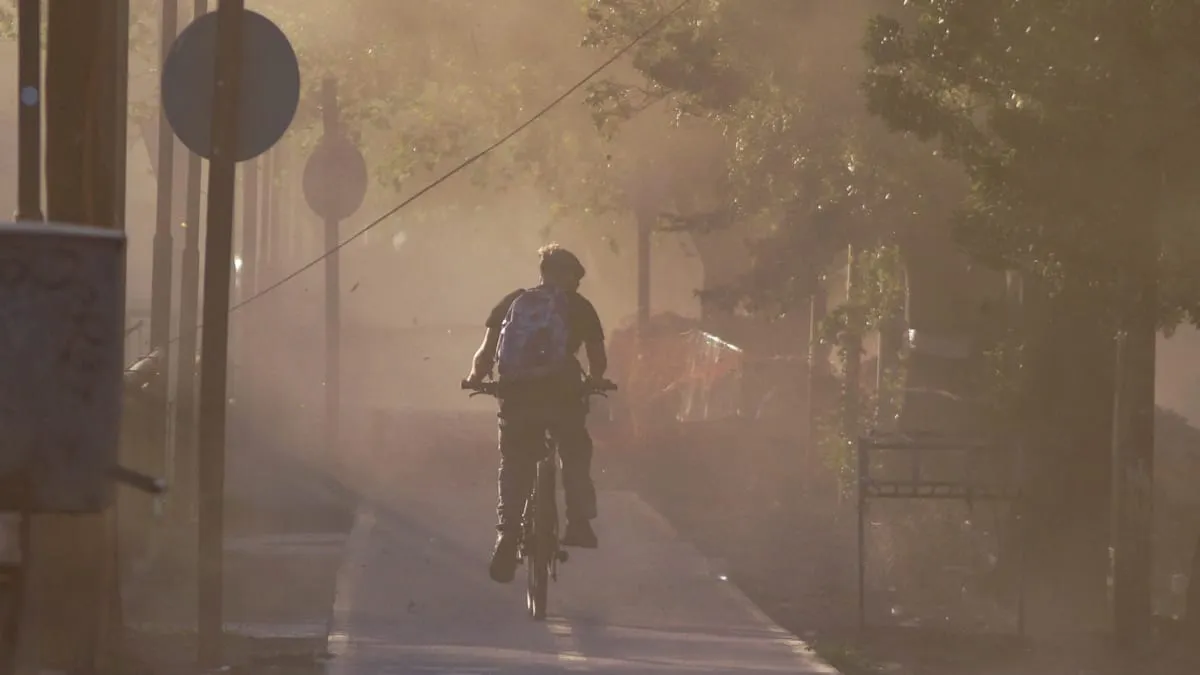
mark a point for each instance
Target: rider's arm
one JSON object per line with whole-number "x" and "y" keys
{"x": 597, "y": 358}
{"x": 592, "y": 332}
{"x": 485, "y": 356}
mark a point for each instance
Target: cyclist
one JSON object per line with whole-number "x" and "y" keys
{"x": 533, "y": 336}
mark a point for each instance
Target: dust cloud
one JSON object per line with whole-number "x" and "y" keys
{"x": 416, "y": 288}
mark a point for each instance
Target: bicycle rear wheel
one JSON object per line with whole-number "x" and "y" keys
{"x": 544, "y": 540}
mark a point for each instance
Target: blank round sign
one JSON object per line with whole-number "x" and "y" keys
{"x": 335, "y": 178}
{"x": 269, "y": 92}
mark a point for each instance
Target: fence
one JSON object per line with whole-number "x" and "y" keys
{"x": 985, "y": 470}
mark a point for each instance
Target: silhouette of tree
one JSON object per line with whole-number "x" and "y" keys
{"x": 808, "y": 170}
{"x": 1077, "y": 126}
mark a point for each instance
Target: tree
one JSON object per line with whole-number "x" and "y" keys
{"x": 806, "y": 169}
{"x": 1076, "y": 125}
{"x": 807, "y": 172}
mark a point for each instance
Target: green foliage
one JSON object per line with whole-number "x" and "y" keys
{"x": 807, "y": 170}
{"x": 1076, "y": 123}
{"x": 418, "y": 92}
{"x": 877, "y": 295}
{"x": 876, "y": 302}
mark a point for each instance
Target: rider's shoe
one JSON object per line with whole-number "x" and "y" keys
{"x": 504, "y": 559}
{"x": 580, "y": 534}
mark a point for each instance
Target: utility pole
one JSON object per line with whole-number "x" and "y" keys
{"x": 164, "y": 246}
{"x": 645, "y": 239}
{"x": 335, "y": 183}
{"x": 21, "y": 632}
{"x": 75, "y": 586}
{"x": 189, "y": 305}
{"x": 222, "y": 172}
{"x": 333, "y": 291}
{"x": 160, "y": 302}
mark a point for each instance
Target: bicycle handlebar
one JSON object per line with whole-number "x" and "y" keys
{"x": 592, "y": 387}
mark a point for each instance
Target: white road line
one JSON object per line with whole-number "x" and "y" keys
{"x": 567, "y": 645}
{"x": 343, "y": 597}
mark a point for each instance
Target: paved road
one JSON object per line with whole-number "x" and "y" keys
{"x": 414, "y": 597}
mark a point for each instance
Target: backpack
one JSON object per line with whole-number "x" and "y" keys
{"x": 533, "y": 337}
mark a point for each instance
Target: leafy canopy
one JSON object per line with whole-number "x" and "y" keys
{"x": 1077, "y": 123}
{"x": 807, "y": 169}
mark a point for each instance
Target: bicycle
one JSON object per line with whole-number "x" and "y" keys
{"x": 539, "y": 548}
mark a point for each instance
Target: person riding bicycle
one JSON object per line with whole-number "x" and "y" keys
{"x": 533, "y": 336}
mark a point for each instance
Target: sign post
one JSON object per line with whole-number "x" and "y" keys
{"x": 335, "y": 184}
{"x": 230, "y": 88}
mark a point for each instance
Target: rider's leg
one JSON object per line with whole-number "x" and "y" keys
{"x": 575, "y": 449}
{"x": 519, "y": 439}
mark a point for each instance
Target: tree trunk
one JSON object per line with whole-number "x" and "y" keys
{"x": 1070, "y": 357}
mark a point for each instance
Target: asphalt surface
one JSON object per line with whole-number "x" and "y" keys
{"x": 414, "y": 597}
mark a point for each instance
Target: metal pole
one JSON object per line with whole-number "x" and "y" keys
{"x": 162, "y": 271}
{"x": 267, "y": 218}
{"x": 816, "y": 315}
{"x": 853, "y": 366}
{"x": 276, "y": 252}
{"x": 222, "y": 171}
{"x": 864, "y": 467}
{"x": 184, "y": 494}
{"x": 333, "y": 351}
{"x": 644, "y": 241}
{"x": 160, "y": 298}
{"x": 1023, "y": 541}
{"x": 250, "y": 226}
{"x": 29, "y": 119}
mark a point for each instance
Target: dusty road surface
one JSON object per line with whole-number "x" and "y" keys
{"x": 414, "y": 596}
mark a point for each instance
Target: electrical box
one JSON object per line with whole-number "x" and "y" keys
{"x": 62, "y": 306}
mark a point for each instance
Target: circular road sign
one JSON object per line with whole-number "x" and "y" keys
{"x": 335, "y": 178}
{"x": 270, "y": 87}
